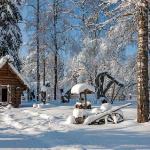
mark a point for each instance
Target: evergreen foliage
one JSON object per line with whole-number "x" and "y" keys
{"x": 10, "y": 34}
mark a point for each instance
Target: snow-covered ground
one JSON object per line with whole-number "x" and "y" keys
{"x": 45, "y": 128}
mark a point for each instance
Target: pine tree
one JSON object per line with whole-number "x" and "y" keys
{"x": 10, "y": 34}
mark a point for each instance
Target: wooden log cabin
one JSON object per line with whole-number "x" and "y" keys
{"x": 12, "y": 83}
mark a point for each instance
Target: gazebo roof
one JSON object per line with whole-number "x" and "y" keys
{"x": 82, "y": 88}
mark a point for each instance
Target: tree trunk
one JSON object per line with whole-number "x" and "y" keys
{"x": 44, "y": 65}
{"x": 56, "y": 48}
{"x": 142, "y": 65}
{"x": 55, "y": 78}
{"x": 37, "y": 40}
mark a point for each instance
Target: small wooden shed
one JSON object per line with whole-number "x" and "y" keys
{"x": 12, "y": 83}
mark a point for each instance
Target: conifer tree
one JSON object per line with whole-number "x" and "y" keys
{"x": 10, "y": 34}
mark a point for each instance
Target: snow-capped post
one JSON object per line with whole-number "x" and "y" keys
{"x": 142, "y": 63}
{"x": 38, "y": 48}
{"x": 83, "y": 88}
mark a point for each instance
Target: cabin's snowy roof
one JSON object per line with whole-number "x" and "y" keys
{"x": 81, "y": 87}
{"x": 8, "y": 59}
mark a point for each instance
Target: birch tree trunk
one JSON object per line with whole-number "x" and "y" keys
{"x": 142, "y": 64}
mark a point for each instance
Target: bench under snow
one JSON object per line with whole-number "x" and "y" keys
{"x": 93, "y": 118}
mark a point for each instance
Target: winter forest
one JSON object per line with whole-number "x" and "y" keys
{"x": 57, "y": 52}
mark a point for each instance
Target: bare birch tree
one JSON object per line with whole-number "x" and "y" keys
{"x": 142, "y": 64}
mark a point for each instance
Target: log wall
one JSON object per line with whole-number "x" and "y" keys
{"x": 16, "y": 85}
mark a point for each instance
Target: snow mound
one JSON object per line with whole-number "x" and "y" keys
{"x": 78, "y": 103}
{"x": 95, "y": 111}
{"x": 9, "y": 106}
{"x": 41, "y": 105}
{"x": 34, "y": 105}
{"x": 78, "y": 113}
{"x": 88, "y": 103}
{"x": 70, "y": 120}
{"x": 104, "y": 107}
{"x": 10, "y": 121}
{"x": 31, "y": 112}
{"x": 44, "y": 116}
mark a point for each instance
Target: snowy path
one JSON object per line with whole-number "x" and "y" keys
{"x": 45, "y": 128}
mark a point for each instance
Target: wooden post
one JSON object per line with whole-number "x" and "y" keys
{"x": 85, "y": 99}
{"x": 113, "y": 93}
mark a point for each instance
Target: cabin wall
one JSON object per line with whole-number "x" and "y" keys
{"x": 0, "y": 94}
{"x": 14, "y": 85}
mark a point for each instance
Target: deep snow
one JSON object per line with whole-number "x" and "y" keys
{"x": 46, "y": 128}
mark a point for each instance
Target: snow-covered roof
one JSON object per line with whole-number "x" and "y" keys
{"x": 81, "y": 87}
{"x": 5, "y": 59}
{"x": 8, "y": 59}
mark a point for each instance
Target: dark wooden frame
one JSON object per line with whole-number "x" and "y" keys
{"x": 101, "y": 90}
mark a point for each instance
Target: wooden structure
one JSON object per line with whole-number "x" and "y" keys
{"x": 104, "y": 83}
{"x": 83, "y": 89}
{"x": 11, "y": 83}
